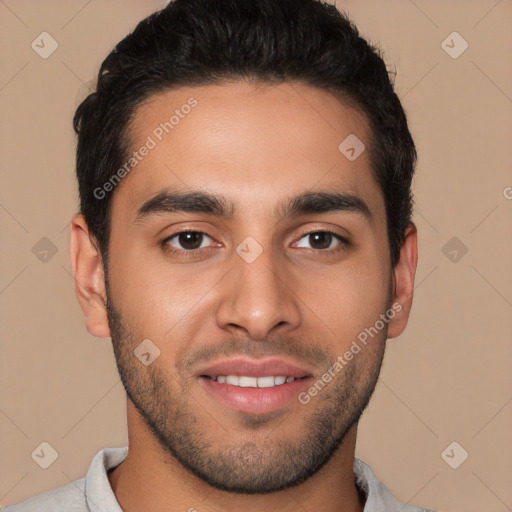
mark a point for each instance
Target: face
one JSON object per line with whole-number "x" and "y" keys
{"x": 247, "y": 249}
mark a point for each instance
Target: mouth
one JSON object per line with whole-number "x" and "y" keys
{"x": 254, "y": 386}
{"x": 245, "y": 381}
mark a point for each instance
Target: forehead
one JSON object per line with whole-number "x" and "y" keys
{"x": 251, "y": 143}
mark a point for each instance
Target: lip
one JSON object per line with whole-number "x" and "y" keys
{"x": 254, "y": 400}
{"x": 254, "y": 368}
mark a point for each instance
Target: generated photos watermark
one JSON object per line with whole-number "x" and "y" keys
{"x": 157, "y": 135}
{"x": 342, "y": 360}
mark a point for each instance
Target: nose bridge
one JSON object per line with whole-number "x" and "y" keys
{"x": 257, "y": 297}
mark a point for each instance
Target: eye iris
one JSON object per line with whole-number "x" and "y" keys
{"x": 190, "y": 240}
{"x": 323, "y": 238}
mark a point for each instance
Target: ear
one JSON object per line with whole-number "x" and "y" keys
{"x": 403, "y": 282}
{"x": 86, "y": 263}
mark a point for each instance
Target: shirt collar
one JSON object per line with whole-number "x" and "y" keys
{"x": 99, "y": 495}
{"x": 378, "y": 496}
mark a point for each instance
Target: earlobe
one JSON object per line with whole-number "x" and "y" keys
{"x": 403, "y": 279}
{"x": 86, "y": 263}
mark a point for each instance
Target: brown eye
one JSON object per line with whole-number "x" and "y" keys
{"x": 323, "y": 241}
{"x": 320, "y": 240}
{"x": 187, "y": 240}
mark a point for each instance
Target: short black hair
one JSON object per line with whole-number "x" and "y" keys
{"x": 201, "y": 42}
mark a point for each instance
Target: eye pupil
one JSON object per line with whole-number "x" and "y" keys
{"x": 322, "y": 238}
{"x": 190, "y": 240}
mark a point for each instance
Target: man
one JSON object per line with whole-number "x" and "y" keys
{"x": 245, "y": 239}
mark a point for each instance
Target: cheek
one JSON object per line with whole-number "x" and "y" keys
{"x": 156, "y": 299}
{"x": 137, "y": 289}
{"x": 354, "y": 296}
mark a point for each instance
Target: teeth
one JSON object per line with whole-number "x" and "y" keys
{"x": 265, "y": 382}
{"x": 232, "y": 379}
{"x": 248, "y": 382}
{"x": 254, "y": 382}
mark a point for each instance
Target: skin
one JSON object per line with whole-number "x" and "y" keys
{"x": 257, "y": 147}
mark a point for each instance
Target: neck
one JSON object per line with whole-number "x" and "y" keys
{"x": 168, "y": 486}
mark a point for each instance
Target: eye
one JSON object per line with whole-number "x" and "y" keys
{"x": 324, "y": 241}
{"x": 186, "y": 241}
{"x": 189, "y": 242}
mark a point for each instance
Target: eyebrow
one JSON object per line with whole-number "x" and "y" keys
{"x": 169, "y": 201}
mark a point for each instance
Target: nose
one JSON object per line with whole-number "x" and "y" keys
{"x": 257, "y": 297}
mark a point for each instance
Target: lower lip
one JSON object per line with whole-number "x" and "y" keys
{"x": 254, "y": 400}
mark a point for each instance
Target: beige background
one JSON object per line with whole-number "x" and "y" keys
{"x": 447, "y": 378}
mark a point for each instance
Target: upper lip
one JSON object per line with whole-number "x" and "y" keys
{"x": 253, "y": 368}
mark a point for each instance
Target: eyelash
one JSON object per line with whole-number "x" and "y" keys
{"x": 343, "y": 245}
